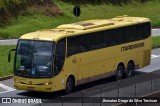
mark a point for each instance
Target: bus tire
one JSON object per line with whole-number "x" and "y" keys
{"x": 119, "y": 72}
{"x": 130, "y": 70}
{"x": 69, "y": 85}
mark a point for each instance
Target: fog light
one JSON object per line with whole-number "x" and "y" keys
{"x": 47, "y": 83}
{"x": 16, "y": 81}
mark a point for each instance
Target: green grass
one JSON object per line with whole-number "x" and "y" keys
{"x": 26, "y": 24}
{"x": 30, "y": 23}
{"x": 5, "y": 67}
{"x": 156, "y": 41}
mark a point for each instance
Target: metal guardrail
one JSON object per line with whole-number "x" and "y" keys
{"x": 136, "y": 86}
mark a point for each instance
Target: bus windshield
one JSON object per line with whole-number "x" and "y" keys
{"x": 34, "y": 59}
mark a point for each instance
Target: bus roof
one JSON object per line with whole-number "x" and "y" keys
{"x": 83, "y": 27}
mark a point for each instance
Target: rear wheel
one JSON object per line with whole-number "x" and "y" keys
{"x": 69, "y": 85}
{"x": 130, "y": 70}
{"x": 119, "y": 72}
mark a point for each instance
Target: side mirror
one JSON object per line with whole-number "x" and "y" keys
{"x": 9, "y": 54}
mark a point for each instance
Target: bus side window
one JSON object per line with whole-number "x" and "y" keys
{"x": 81, "y": 44}
{"x": 144, "y": 30}
{"x": 86, "y": 42}
{"x": 108, "y": 38}
{"x": 133, "y": 30}
{"x": 98, "y": 40}
{"x": 147, "y": 30}
{"x": 73, "y": 45}
{"x": 131, "y": 33}
{"x": 78, "y": 44}
{"x": 140, "y": 32}
{"x": 59, "y": 56}
{"x": 118, "y": 36}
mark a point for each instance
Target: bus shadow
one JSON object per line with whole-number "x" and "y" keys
{"x": 140, "y": 72}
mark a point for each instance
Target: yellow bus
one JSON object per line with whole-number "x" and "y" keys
{"x": 81, "y": 52}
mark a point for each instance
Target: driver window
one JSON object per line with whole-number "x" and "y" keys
{"x": 59, "y": 56}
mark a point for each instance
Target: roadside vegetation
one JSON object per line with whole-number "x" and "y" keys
{"x": 33, "y": 17}
{"x": 156, "y": 42}
{"x": 13, "y": 8}
{"x": 5, "y": 67}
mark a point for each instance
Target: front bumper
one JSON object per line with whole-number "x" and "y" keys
{"x": 42, "y": 88}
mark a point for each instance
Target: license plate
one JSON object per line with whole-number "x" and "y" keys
{"x": 31, "y": 88}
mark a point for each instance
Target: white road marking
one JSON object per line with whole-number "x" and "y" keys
{"x": 155, "y": 29}
{"x": 6, "y": 88}
{"x": 155, "y": 56}
{"x": 7, "y": 91}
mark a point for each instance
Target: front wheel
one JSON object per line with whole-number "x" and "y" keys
{"x": 119, "y": 72}
{"x": 69, "y": 85}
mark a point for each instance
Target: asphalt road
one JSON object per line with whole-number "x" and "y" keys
{"x": 7, "y": 89}
{"x": 8, "y": 41}
{"x": 155, "y": 32}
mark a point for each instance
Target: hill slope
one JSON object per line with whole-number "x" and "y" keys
{"x": 31, "y": 19}
{"x": 13, "y": 8}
